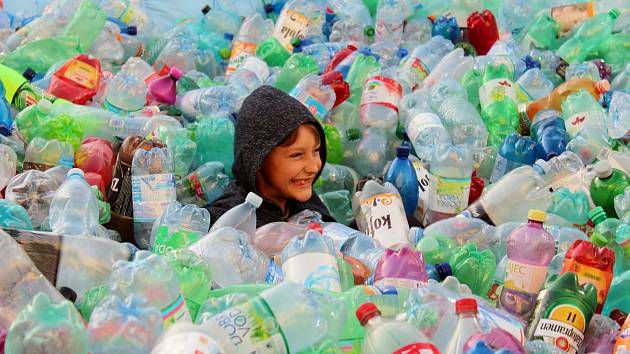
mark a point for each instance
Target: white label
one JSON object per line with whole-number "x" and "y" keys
{"x": 150, "y": 194}
{"x": 496, "y": 90}
{"x": 313, "y": 270}
{"x": 449, "y": 195}
{"x": 386, "y": 220}
{"x": 424, "y": 182}
{"x": 381, "y": 90}
{"x": 188, "y": 343}
{"x": 421, "y": 122}
{"x": 291, "y": 24}
{"x": 398, "y": 283}
{"x": 560, "y": 334}
{"x": 522, "y": 277}
{"x": 177, "y": 312}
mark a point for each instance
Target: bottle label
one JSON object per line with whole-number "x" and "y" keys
{"x": 570, "y": 16}
{"x": 526, "y": 278}
{"x": 563, "y": 326}
{"x": 196, "y": 186}
{"x": 248, "y": 328}
{"x": 417, "y": 348}
{"x": 381, "y": 90}
{"x": 314, "y": 106}
{"x": 313, "y": 270}
{"x": 421, "y": 122}
{"x": 413, "y": 72}
{"x": 589, "y": 275}
{"x": 240, "y": 52}
{"x": 166, "y": 241}
{"x": 424, "y": 181}
{"x": 398, "y": 283}
{"x": 291, "y": 24}
{"x": 119, "y": 193}
{"x": 623, "y": 341}
{"x": 82, "y": 73}
{"x": 496, "y": 90}
{"x": 150, "y": 194}
{"x": 386, "y": 220}
{"x": 449, "y": 195}
{"x": 575, "y": 123}
{"x": 191, "y": 342}
{"x": 177, "y": 312}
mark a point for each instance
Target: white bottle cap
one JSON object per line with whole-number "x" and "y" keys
{"x": 253, "y": 199}
{"x": 602, "y": 169}
{"x": 75, "y": 171}
{"x": 545, "y": 165}
{"x": 257, "y": 66}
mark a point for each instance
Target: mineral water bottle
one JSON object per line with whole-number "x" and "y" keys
{"x": 402, "y": 174}
{"x": 309, "y": 259}
{"x": 619, "y": 115}
{"x": 580, "y": 108}
{"x": 212, "y": 101}
{"x": 33, "y": 190}
{"x": 379, "y": 100}
{"x": 241, "y": 217}
{"x": 530, "y": 249}
{"x": 515, "y": 151}
{"x": 372, "y": 152}
{"x": 178, "y": 227}
{"x": 215, "y": 141}
{"x": 153, "y": 187}
{"x": 423, "y": 126}
{"x": 415, "y": 67}
{"x": 150, "y": 276}
{"x": 204, "y": 185}
{"x": 534, "y": 85}
{"x": 254, "y": 30}
{"x": 73, "y": 210}
{"x": 318, "y": 98}
{"x": 467, "y": 325}
{"x": 125, "y": 93}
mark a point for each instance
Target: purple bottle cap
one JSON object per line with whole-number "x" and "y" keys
{"x": 176, "y": 73}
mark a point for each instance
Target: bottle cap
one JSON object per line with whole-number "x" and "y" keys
{"x": 603, "y": 169}
{"x": 29, "y": 74}
{"x": 369, "y": 31}
{"x": 253, "y": 199}
{"x": 67, "y": 161}
{"x": 544, "y": 165}
{"x": 444, "y": 270}
{"x": 228, "y": 36}
{"x": 403, "y": 52}
{"x": 602, "y": 86}
{"x": 296, "y": 41}
{"x": 68, "y": 293}
{"x": 367, "y": 311}
{"x": 205, "y": 9}
{"x": 224, "y": 53}
{"x": 132, "y": 30}
{"x": 75, "y": 172}
{"x": 268, "y": 8}
{"x": 176, "y": 73}
{"x": 597, "y": 215}
{"x": 402, "y": 151}
{"x": 614, "y": 13}
{"x": 536, "y": 215}
{"x": 465, "y": 305}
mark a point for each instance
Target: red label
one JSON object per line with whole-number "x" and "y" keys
{"x": 418, "y": 348}
{"x": 194, "y": 182}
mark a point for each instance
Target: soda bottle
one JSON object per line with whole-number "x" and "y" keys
{"x": 623, "y": 341}
{"x": 530, "y": 249}
{"x": 204, "y": 185}
{"x": 588, "y": 36}
{"x": 497, "y": 96}
{"x": 415, "y": 67}
{"x": 383, "y": 336}
{"x": 46, "y": 325}
{"x": 381, "y": 214}
{"x": 73, "y": 210}
{"x": 402, "y": 175}
{"x": 515, "y": 151}
{"x": 604, "y": 228}
{"x": 241, "y": 217}
{"x": 178, "y": 227}
{"x": 402, "y": 268}
{"x": 309, "y": 260}
{"x": 295, "y": 68}
{"x": 273, "y": 52}
{"x": 153, "y": 187}
{"x": 119, "y": 192}
{"x": 608, "y": 183}
{"x": 253, "y": 31}
{"x": 361, "y": 247}
{"x": 77, "y": 80}
{"x": 195, "y": 278}
{"x": 593, "y": 265}
{"x": 316, "y": 96}
{"x": 548, "y": 130}
{"x": 294, "y": 22}
{"x": 473, "y": 268}
{"x": 450, "y": 173}
{"x": 563, "y": 313}
{"x": 149, "y": 275}
{"x": 581, "y": 108}
{"x": 362, "y": 63}
{"x": 423, "y": 126}
{"x": 482, "y": 31}
{"x": 125, "y": 93}
{"x": 115, "y": 320}
{"x": 342, "y": 60}
{"x": 587, "y": 69}
{"x": 164, "y": 89}
{"x": 182, "y": 147}
{"x": 467, "y": 325}
{"x": 18, "y": 91}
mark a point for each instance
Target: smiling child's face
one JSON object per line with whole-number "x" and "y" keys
{"x": 289, "y": 171}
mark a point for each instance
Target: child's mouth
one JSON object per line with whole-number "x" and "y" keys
{"x": 303, "y": 182}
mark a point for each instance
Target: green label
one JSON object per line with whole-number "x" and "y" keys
{"x": 166, "y": 242}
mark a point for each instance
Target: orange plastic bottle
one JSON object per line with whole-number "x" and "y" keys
{"x": 560, "y": 93}
{"x": 623, "y": 341}
{"x": 593, "y": 265}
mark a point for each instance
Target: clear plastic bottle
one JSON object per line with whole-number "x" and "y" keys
{"x": 534, "y": 85}
{"x": 619, "y": 115}
{"x": 379, "y": 100}
{"x": 372, "y": 152}
{"x": 254, "y": 30}
{"x": 125, "y": 93}
{"x": 417, "y": 66}
{"x": 389, "y": 20}
{"x": 73, "y": 210}
{"x": 241, "y": 217}
{"x": 153, "y": 187}
{"x": 204, "y": 185}
{"x": 579, "y": 109}
{"x": 423, "y": 126}
{"x": 318, "y": 98}
{"x": 467, "y": 325}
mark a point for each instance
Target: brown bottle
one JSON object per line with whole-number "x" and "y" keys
{"x": 560, "y": 93}
{"x": 119, "y": 194}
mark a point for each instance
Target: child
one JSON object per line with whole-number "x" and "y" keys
{"x": 279, "y": 151}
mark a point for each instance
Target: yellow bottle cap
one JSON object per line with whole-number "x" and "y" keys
{"x": 537, "y": 215}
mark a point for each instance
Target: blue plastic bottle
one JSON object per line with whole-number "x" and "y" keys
{"x": 550, "y": 133}
{"x": 447, "y": 27}
{"x": 402, "y": 175}
{"x": 6, "y": 120}
{"x": 515, "y": 151}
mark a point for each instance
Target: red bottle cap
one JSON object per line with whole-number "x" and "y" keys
{"x": 465, "y": 305}
{"x": 367, "y": 311}
{"x": 315, "y": 226}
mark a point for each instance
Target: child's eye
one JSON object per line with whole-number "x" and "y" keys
{"x": 297, "y": 154}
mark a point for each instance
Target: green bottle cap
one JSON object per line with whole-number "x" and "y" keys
{"x": 296, "y": 41}
{"x": 614, "y": 13}
{"x": 224, "y": 53}
{"x": 353, "y": 134}
{"x": 597, "y": 215}
{"x": 599, "y": 240}
{"x": 369, "y": 31}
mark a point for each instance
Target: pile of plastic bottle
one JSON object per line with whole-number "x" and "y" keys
{"x": 478, "y": 169}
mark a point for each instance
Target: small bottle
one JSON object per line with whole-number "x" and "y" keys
{"x": 467, "y": 325}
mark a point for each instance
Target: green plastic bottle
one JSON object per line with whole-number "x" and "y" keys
{"x": 18, "y": 91}
{"x": 362, "y": 66}
{"x": 544, "y": 31}
{"x": 334, "y": 144}
{"x": 471, "y": 81}
{"x": 195, "y": 278}
{"x": 563, "y": 313}
{"x": 86, "y": 24}
{"x": 272, "y": 52}
{"x": 41, "y": 54}
{"x": 497, "y": 96}
{"x": 609, "y": 183}
{"x": 436, "y": 249}
{"x": 588, "y": 37}
{"x": 604, "y": 228}
{"x": 473, "y": 268}
{"x": 294, "y": 69}
{"x": 615, "y": 51}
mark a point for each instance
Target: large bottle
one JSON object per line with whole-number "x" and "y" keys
{"x": 467, "y": 325}
{"x": 579, "y": 109}
{"x": 379, "y": 100}
{"x": 402, "y": 175}
{"x": 241, "y": 217}
{"x": 515, "y": 151}
{"x": 204, "y": 185}
{"x": 383, "y": 336}
{"x": 530, "y": 249}
{"x": 588, "y": 37}
{"x": 152, "y": 187}
{"x": 609, "y": 183}
{"x": 73, "y": 210}
{"x": 403, "y": 268}
{"x": 415, "y": 67}
{"x": 254, "y": 30}
{"x": 309, "y": 259}
{"x": 125, "y": 93}
{"x": 423, "y": 126}
{"x": 389, "y": 21}
{"x": 497, "y": 96}
{"x": 316, "y": 96}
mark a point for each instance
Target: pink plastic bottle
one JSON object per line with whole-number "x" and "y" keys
{"x": 403, "y": 268}
{"x": 164, "y": 89}
{"x": 530, "y": 249}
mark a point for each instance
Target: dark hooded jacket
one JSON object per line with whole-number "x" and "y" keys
{"x": 266, "y": 118}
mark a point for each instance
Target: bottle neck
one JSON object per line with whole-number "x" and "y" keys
{"x": 535, "y": 223}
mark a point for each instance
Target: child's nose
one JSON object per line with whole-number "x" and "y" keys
{"x": 313, "y": 165}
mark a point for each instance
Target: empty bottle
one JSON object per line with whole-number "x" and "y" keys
{"x": 389, "y": 19}
{"x": 9, "y": 167}
{"x": 534, "y": 85}
{"x": 153, "y": 187}
{"x": 515, "y": 151}
{"x": 6, "y": 119}
{"x": 379, "y": 100}
{"x": 415, "y": 67}
{"x": 497, "y": 96}
{"x": 241, "y": 217}
{"x": 43, "y": 154}
{"x": 579, "y": 109}
{"x": 588, "y": 36}
{"x": 34, "y": 191}
{"x": 403, "y": 268}
{"x": 467, "y": 325}
{"x": 125, "y": 93}
{"x": 316, "y": 96}
{"x": 178, "y": 227}
{"x": 254, "y": 30}
{"x": 423, "y": 126}
{"x": 619, "y": 116}
{"x": 482, "y": 31}
{"x": 371, "y": 153}
{"x": 530, "y": 250}
{"x": 215, "y": 141}
{"x": 195, "y": 278}
{"x": 164, "y": 89}
{"x": 475, "y": 268}
{"x": 73, "y": 210}
{"x": 609, "y": 183}
{"x": 204, "y": 185}
{"x": 447, "y": 27}
{"x": 548, "y": 129}
{"x": 402, "y": 175}
{"x": 295, "y": 68}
